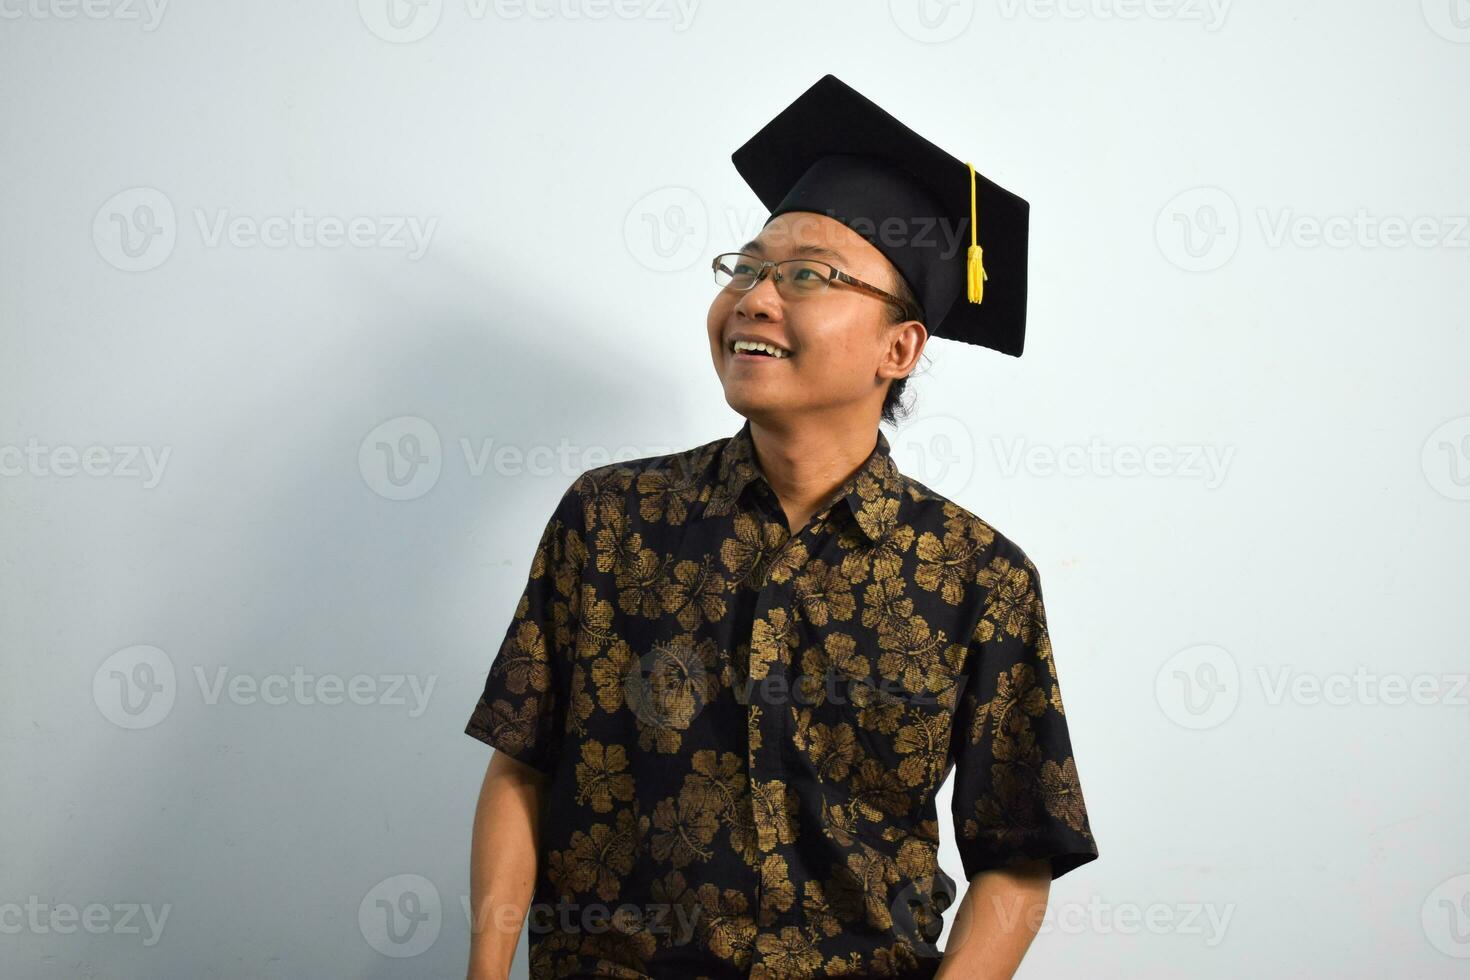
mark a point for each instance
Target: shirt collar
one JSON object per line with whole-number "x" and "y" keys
{"x": 877, "y": 478}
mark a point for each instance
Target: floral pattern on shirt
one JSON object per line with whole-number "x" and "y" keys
{"x": 744, "y": 730}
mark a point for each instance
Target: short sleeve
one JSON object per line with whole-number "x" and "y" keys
{"x": 1017, "y": 796}
{"x": 522, "y": 709}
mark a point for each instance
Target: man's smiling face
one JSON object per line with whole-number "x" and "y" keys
{"x": 839, "y": 347}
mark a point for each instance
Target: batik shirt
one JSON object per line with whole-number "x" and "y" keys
{"x": 743, "y": 729}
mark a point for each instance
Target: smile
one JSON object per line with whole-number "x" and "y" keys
{"x": 753, "y": 349}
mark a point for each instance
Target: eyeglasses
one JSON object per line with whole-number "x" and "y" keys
{"x": 795, "y": 278}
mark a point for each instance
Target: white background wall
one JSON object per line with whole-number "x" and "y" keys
{"x": 1301, "y": 398}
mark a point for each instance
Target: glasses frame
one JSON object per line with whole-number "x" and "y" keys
{"x": 774, "y": 268}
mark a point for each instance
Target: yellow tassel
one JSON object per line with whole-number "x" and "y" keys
{"x": 975, "y": 274}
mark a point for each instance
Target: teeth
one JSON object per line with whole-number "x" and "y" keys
{"x": 749, "y": 345}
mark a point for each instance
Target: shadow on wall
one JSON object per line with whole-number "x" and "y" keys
{"x": 290, "y": 838}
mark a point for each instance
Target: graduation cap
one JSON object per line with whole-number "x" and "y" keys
{"x": 957, "y": 238}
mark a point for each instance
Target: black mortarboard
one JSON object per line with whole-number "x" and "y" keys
{"x": 833, "y": 151}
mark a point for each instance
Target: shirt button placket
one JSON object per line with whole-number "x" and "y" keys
{"x": 776, "y": 727}
{"x": 770, "y": 693}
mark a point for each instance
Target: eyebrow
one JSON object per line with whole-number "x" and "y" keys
{"x": 757, "y": 248}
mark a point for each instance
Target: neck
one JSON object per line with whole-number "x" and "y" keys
{"x": 806, "y": 462}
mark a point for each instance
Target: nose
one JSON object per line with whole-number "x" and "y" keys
{"x": 761, "y": 301}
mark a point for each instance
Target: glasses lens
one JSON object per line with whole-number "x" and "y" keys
{"x": 801, "y": 277}
{"x": 736, "y": 270}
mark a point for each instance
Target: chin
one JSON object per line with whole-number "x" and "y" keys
{"x": 747, "y": 405}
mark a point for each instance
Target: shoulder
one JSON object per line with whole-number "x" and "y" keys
{"x": 927, "y": 510}
{"x": 992, "y": 574}
{"x": 607, "y": 491}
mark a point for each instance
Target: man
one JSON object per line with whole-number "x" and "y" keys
{"x": 739, "y": 674}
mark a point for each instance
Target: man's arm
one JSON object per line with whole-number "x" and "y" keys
{"x": 1019, "y": 817}
{"x": 996, "y": 921}
{"x": 503, "y": 850}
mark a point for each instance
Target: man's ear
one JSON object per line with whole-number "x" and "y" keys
{"x": 907, "y": 345}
